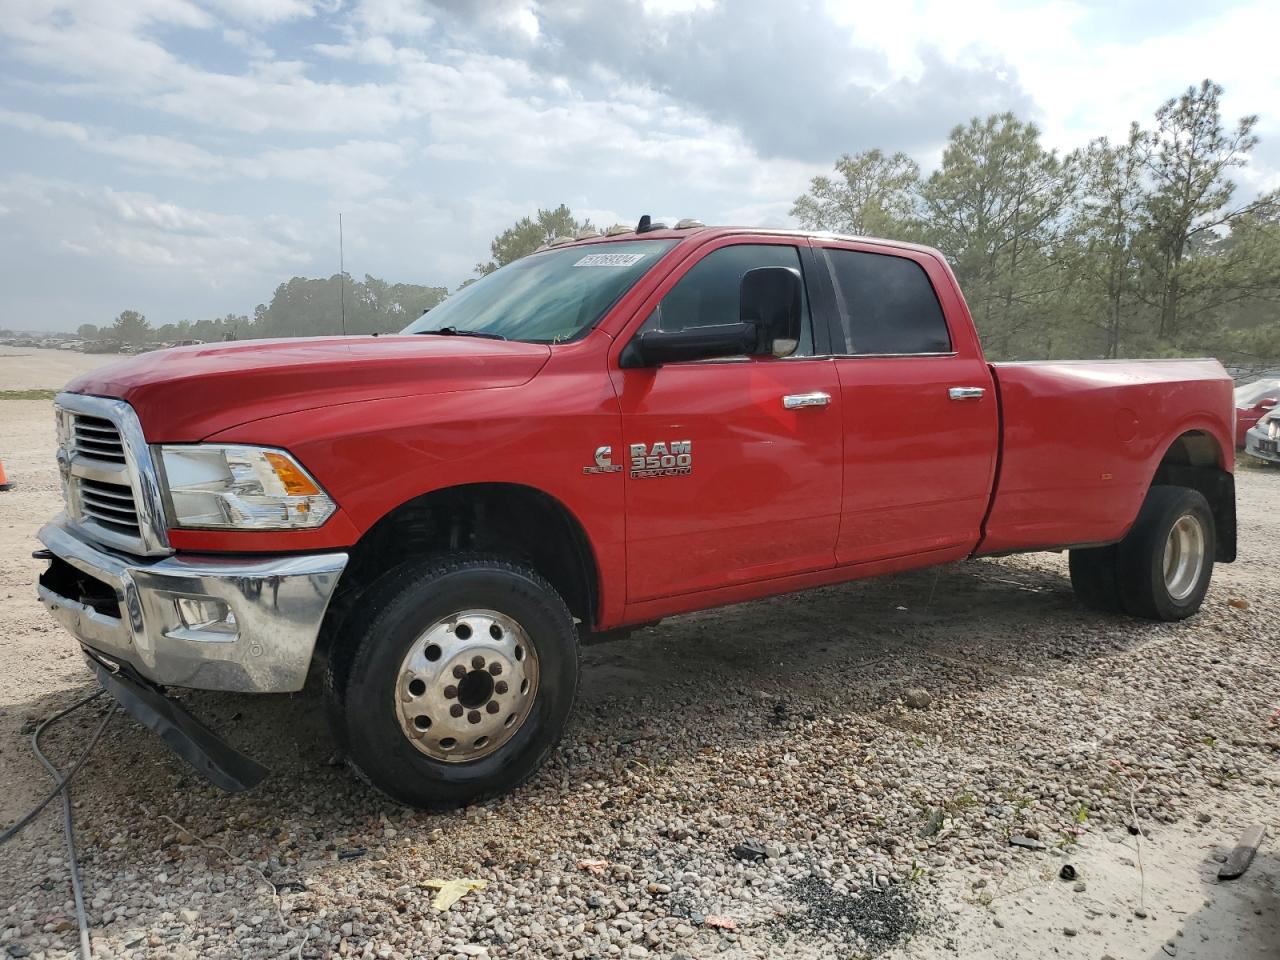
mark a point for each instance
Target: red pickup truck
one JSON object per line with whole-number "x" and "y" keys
{"x": 607, "y": 432}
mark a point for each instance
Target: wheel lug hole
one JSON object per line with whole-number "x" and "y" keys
{"x": 459, "y": 672}
{"x": 500, "y": 687}
{"x": 492, "y": 706}
{"x": 477, "y": 663}
{"x": 451, "y": 692}
{"x": 474, "y": 716}
{"x": 455, "y": 710}
{"x": 495, "y": 668}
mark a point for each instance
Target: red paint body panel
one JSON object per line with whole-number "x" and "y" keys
{"x": 187, "y": 393}
{"x": 891, "y": 475}
{"x": 1082, "y": 440}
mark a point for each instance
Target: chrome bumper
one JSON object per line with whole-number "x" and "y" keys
{"x": 277, "y": 606}
{"x": 1253, "y": 441}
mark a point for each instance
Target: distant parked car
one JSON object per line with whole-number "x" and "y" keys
{"x": 1263, "y": 438}
{"x": 1253, "y": 400}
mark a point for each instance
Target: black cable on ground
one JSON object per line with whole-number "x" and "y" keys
{"x": 62, "y": 788}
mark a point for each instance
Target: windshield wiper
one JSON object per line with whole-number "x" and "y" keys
{"x": 455, "y": 332}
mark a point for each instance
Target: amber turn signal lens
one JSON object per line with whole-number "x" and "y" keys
{"x": 296, "y": 483}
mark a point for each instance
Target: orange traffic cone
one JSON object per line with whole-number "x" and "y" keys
{"x": 4, "y": 481}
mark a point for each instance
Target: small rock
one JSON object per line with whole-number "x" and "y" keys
{"x": 1140, "y": 914}
{"x": 1068, "y": 931}
{"x": 1203, "y": 818}
{"x": 1079, "y": 888}
{"x": 917, "y": 698}
{"x": 1018, "y": 840}
{"x": 749, "y": 850}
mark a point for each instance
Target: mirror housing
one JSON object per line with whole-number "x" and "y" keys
{"x": 771, "y": 298}
{"x": 656, "y": 347}
{"x": 1267, "y": 403}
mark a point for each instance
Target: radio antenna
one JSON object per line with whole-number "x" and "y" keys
{"x": 342, "y": 278}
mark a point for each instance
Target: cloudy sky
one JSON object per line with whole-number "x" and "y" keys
{"x": 182, "y": 157}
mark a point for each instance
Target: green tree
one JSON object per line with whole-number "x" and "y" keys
{"x": 996, "y": 206}
{"x": 87, "y": 331}
{"x": 1106, "y": 231}
{"x": 528, "y": 233}
{"x": 873, "y": 195}
{"x": 1188, "y": 158}
{"x": 130, "y": 327}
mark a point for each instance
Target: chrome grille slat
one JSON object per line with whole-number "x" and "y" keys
{"x": 93, "y": 506}
{"x": 111, "y": 486}
{"x": 104, "y": 490}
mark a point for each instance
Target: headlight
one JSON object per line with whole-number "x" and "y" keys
{"x": 240, "y": 488}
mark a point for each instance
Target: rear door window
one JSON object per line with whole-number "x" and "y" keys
{"x": 887, "y": 304}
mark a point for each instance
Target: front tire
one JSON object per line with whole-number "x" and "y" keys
{"x": 459, "y": 678}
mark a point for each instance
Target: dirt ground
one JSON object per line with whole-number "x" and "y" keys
{"x": 787, "y": 720}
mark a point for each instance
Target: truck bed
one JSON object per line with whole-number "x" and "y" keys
{"x": 1081, "y": 442}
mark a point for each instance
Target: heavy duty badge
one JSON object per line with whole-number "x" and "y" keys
{"x": 674, "y": 459}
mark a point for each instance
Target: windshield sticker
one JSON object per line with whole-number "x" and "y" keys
{"x": 610, "y": 260}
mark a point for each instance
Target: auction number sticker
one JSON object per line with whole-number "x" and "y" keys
{"x": 610, "y": 260}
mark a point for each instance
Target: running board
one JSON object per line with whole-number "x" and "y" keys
{"x": 220, "y": 763}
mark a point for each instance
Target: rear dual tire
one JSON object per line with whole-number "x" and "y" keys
{"x": 1161, "y": 569}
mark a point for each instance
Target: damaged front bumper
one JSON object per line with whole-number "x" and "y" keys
{"x": 243, "y": 624}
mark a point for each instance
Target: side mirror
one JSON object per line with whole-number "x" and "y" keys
{"x": 656, "y": 347}
{"x": 770, "y": 297}
{"x": 1267, "y": 403}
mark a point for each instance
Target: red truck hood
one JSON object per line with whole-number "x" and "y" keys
{"x": 188, "y": 393}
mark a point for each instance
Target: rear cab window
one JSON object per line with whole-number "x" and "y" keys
{"x": 887, "y": 305}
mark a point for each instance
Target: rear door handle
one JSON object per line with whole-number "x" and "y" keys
{"x": 794, "y": 401}
{"x": 966, "y": 393}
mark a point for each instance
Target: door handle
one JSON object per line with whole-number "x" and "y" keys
{"x": 966, "y": 393}
{"x": 794, "y": 401}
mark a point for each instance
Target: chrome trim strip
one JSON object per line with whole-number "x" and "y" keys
{"x": 279, "y": 604}
{"x": 138, "y": 473}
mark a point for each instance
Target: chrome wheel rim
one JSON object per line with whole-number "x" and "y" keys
{"x": 1184, "y": 556}
{"x": 466, "y": 686}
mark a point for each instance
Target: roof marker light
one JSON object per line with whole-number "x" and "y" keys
{"x": 617, "y": 230}
{"x": 689, "y": 223}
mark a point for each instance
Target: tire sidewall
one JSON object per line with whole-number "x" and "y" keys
{"x": 1144, "y": 555}
{"x": 420, "y": 597}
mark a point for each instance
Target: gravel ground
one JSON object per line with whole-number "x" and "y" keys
{"x": 835, "y": 774}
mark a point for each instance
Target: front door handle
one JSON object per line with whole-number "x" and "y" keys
{"x": 794, "y": 401}
{"x": 966, "y": 393}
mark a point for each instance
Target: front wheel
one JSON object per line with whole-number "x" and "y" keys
{"x": 458, "y": 680}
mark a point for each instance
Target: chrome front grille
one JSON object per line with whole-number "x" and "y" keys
{"x": 97, "y": 438}
{"x": 108, "y": 480}
{"x": 108, "y": 504}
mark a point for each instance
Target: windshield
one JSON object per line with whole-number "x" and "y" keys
{"x": 1251, "y": 393}
{"x": 547, "y": 297}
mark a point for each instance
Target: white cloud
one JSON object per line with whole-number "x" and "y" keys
{"x": 140, "y": 230}
{"x": 264, "y": 11}
{"x": 348, "y": 169}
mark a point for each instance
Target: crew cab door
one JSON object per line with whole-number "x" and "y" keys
{"x": 920, "y": 420}
{"x": 732, "y": 467}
